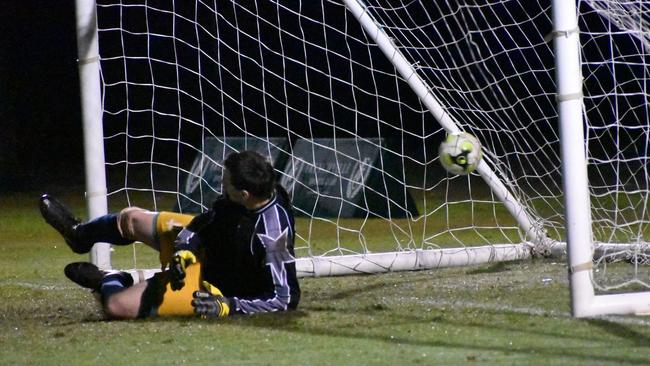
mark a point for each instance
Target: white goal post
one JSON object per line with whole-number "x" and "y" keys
{"x": 91, "y": 108}
{"x": 350, "y": 100}
{"x": 578, "y": 221}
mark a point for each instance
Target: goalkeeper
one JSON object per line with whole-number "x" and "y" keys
{"x": 238, "y": 257}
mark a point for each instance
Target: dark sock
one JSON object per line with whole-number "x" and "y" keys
{"x": 102, "y": 229}
{"x": 114, "y": 283}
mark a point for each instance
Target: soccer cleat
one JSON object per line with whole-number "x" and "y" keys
{"x": 85, "y": 275}
{"x": 60, "y": 218}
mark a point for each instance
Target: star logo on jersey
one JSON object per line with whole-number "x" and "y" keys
{"x": 277, "y": 254}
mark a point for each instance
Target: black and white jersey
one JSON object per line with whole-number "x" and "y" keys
{"x": 249, "y": 255}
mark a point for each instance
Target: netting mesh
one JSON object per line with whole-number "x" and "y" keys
{"x": 615, "y": 70}
{"x": 303, "y": 83}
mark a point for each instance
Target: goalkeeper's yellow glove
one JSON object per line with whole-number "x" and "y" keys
{"x": 210, "y": 302}
{"x": 180, "y": 261}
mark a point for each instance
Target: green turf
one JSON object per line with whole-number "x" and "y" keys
{"x": 501, "y": 314}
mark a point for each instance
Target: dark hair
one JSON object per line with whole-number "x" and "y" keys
{"x": 252, "y": 172}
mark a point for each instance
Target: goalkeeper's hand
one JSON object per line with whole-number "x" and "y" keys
{"x": 180, "y": 261}
{"x": 210, "y": 302}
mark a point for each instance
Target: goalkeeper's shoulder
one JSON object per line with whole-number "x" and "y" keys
{"x": 283, "y": 195}
{"x": 220, "y": 207}
{"x": 199, "y": 221}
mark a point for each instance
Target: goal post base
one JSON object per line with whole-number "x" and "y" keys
{"x": 419, "y": 259}
{"x": 637, "y": 303}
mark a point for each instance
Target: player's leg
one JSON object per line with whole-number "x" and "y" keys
{"x": 129, "y": 225}
{"x": 136, "y": 224}
{"x": 80, "y": 236}
{"x": 119, "y": 297}
{"x": 125, "y": 304}
{"x": 167, "y": 226}
{"x": 154, "y": 297}
{"x": 122, "y": 300}
{"x": 160, "y": 300}
{"x": 108, "y": 284}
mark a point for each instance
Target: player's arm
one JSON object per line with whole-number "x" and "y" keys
{"x": 280, "y": 277}
{"x": 277, "y": 300}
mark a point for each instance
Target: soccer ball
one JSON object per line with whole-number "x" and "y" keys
{"x": 460, "y": 153}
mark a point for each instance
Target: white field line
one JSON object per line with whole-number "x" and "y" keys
{"x": 632, "y": 320}
{"x": 37, "y": 286}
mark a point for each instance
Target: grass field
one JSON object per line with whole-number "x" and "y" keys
{"x": 504, "y": 314}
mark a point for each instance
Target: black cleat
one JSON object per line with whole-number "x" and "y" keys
{"x": 85, "y": 275}
{"x": 60, "y": 218}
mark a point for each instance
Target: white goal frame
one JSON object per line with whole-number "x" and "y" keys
{"x": 96, "y": 191}
{"x": 93, "y": 133}
{"x": 579, "y": 239}
{"x": 584, "y": 302}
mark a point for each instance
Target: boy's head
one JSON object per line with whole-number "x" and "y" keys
{"x": 248, "y": 175}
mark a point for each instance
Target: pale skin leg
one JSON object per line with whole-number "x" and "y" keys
{"x": 135, "y": 224}
{"x": 126, "y": 304}
{"x": 138, "y": 224}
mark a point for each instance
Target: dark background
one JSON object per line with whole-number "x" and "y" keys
{"x": 41, "y": 133}
{"x": 41, "y": 143}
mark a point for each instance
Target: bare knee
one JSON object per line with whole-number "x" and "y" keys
{"x": 124, "y": 305}
{"x": 117, "y": 310}
{"x": 136, "y": 224}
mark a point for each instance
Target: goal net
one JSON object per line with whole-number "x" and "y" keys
{"x": 350, "y": 101}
